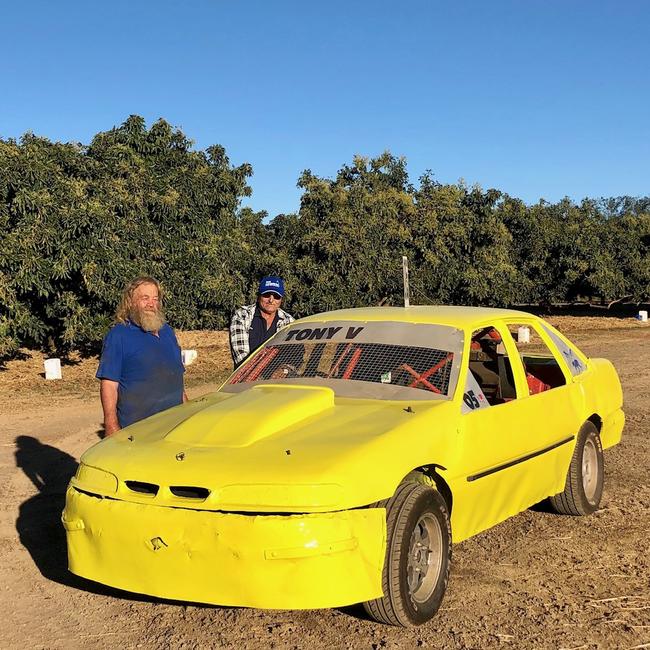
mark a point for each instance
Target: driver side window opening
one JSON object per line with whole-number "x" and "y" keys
{"x": 543, "y": 372}
{"x": 490, "y": 366}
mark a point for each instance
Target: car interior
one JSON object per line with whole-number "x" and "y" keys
{"x": 490, "y": 365}
{"x": 543, "y": 372}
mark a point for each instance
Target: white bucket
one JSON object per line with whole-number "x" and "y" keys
{"x": 523, "y": 335}
{"x": 643, "y": 316}
{"x": 52, "y": 368}
{"x": 189, "y": 356}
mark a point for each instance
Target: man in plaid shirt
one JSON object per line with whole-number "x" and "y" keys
{"x": 253, "y": 325}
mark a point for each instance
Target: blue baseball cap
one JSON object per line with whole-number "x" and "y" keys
{"x": 271, "y": 283}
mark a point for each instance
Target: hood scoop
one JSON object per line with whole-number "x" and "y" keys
{"x": 252, "y": 415}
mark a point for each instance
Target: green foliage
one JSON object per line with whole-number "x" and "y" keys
{"x": 463, "y": 249}
{"x": 567, "y": 251}
{"x": 77, "y": 222}
{"x": 345, "y": 245}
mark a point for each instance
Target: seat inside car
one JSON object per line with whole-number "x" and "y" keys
{"x": 490, "y": 365}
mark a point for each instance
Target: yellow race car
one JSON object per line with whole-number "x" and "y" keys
{"x": 334, "y": 466}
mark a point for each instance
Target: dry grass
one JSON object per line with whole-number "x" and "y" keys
{"x": 23, "y": 380}
{"x": 568, "y": 324}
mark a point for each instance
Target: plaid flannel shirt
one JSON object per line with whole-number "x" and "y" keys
{"x": 240, "y": 326}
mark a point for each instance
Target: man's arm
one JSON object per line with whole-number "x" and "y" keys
{"x": 108, "y": 395}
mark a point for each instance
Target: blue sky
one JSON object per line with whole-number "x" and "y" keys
{"x": 540, "y": 99}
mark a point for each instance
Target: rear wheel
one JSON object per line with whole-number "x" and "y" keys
{"x": 584, "y": 482}
{"x": 418, "y": 556}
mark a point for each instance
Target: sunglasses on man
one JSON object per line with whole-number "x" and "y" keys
{"x": 272, "y": 294}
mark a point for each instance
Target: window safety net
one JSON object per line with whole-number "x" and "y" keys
{"x": 421, "y": 368}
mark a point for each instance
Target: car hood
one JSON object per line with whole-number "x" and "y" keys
{"x": 269, "y": 448}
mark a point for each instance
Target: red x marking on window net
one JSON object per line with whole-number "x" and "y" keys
{"x": 423, "y": 377}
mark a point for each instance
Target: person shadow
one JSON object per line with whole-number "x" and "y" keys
{"x": 39, "y": 518}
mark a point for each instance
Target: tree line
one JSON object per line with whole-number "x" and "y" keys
{"x": 78, "y": 221}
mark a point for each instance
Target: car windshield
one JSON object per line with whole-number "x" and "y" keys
{"x": 381, "y": 360}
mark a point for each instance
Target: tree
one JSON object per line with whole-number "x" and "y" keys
{"x": 462, "y": 247}
{"x": 79, "y": 222}
{"x": 344, "y": 247}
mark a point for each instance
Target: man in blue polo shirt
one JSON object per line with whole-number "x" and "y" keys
{"x": 140, "y": 369}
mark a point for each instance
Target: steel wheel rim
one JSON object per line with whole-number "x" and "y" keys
{"x": 424, "y": 558}
{"x": 590, "y": 469}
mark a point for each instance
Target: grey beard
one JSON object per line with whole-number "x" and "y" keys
{"x": 149, "y": 321}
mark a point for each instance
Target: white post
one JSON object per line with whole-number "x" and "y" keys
{"x": 52, "y": 368}
{"x": 405, "y": 271}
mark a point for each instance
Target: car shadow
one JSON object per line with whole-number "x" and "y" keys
{"x": 355, "y": 611}
{"x": 39, "y": 524}
{"x": 543, "y": 506}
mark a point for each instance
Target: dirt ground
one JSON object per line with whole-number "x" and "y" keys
{"x": 538, "y": 580}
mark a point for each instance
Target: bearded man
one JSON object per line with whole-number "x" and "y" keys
{"x": 140, "y": 369}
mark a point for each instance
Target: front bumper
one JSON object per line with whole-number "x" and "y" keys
{"x": 267, "y": 561}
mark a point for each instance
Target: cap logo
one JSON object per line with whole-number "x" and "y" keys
{"x": 271, "y": 283}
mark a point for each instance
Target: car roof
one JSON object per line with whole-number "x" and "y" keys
{"x": 454, "y": 316}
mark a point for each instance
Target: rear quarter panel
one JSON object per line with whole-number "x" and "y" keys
{"x": 600, "y": 386}
{"x": 603, "y": 397}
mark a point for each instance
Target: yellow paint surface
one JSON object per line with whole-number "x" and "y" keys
{"x": 274, "y": 561}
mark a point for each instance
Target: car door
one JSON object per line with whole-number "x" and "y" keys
{"x": 552, "y": 413}
{"x": 510, "y": 445}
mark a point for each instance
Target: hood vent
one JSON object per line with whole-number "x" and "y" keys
{"x": 150, "y": 489}
{"x": 189, "y": 492}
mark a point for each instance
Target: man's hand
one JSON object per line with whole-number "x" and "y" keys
{"x": 108, "y": 395}
{"x": 110, "y": 428}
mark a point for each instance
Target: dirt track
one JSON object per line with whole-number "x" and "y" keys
{"x": 538, "y": 580}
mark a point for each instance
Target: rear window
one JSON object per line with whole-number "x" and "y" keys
{"x": 573, "y": 360}
{"x": 376, "y": 360}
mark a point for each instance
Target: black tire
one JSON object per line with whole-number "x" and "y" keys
{"x": 418, "y": 557}
{"x": 584, "y": 481}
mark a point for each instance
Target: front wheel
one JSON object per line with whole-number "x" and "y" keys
{"x": 584, "y": 482}
{"x": 418, "y": 557}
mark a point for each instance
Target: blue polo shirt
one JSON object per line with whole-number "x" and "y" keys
{"x": 148, "y": 368}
